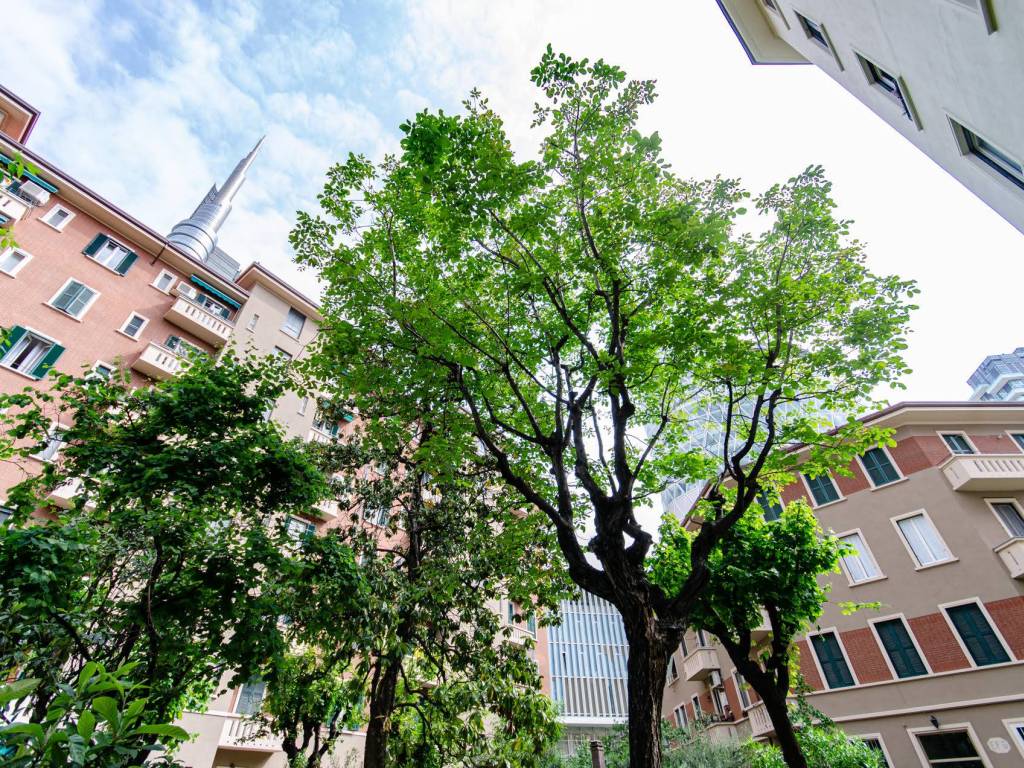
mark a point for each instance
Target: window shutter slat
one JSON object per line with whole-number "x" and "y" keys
{"x": 93, "y": 247}
{"x": 48, "y": 361}
{"x": 126, "y": 262}
{"x": 15, "y": 333}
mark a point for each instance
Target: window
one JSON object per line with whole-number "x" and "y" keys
{"x": 695, "y": 701}
{"x": 923, "y": 540}
{"x": 879, "y": 467}
{"x": 164, "y": 281}
{"x": 1018, "y": 438}
{"x": 742, "y": 691}
{"x": 673, "y": 672}
{"x": 57, "y": 217}
{"x": 682, "y": 646}
{"x": 252, "y": 322}
{"x": 110, "y": 254}
{"x": 995, "y": 157}
{"x": 833, "y": 662}
{"x": 702, "y": 639}
{"x": 283, "y": 354}
{"x": 511, "y": 613}
{"x": 210, "y": 305}
{"x": 679, "y": 713}
{"x": 74, "y": 299}
{"x": 887, "y": 84}
{"x": 1015, "y": 727}
{"x": 29, "y": 353}
{"x": 875, "y": 743}
{"x": 322, "y": 423}
{"x": 250, "y": 698}
{"x": 182, "y": 347}
{"x": 815, "y": 32}
{"x": 303, "y": 404}
{"x": 133, "y": 325}
{"x": 860, "y": 565}
{"x": 822, "y": 489}
{"x": 298, "y": 528}
{"x": 977, "y": 634}
{"x": 900, "y": 648}
{"x": 294, "y": 323}
{"x": 377, "y": 515}
{"x": 54, "y": 442}
{"x": 102, "y": 370}
{"x": 770, "y": 4}
{"x": 12, "y": 260}
{"x": 1009, "y": 515}
{"x": 957, "y": 443}
{"x": 771, "y": 508}
{"x": 952, "y": 748}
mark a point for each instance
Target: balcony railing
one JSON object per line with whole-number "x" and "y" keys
{"x": 158, "y": 362}
{"x": 200, "y": 322}
{"x": 721, "y": 731}
{"x": 242, "y": 734}
{"x": 986, "y": 472}
{"x": 760, "y": 723}
{"x": 1012, "y": 554}
{"x": 699, "y": 664}
{"x": 12, "y": 206}
{"x": 519, "y": 635}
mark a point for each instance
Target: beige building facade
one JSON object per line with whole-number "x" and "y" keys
{"x": 943, "y": 73}
{"x": 937, "y": 671}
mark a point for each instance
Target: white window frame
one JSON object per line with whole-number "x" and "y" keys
{"x": 698, "y": 711}
{"x": 303, "y": 405}
{"x": 105, "y": 364}
{"x": 38, "y": 334}
{"x": 830, "y": 48}
{"x": 741, "y": 691}
{"x": 850, "y": 581}
{"x": 54, "y": 430}
{"x": 679, "y": 713}
{"x": 899, "y": 472}
{"x": 990, "y": 502}
{"x": 119, "y": 244}
{"x": 988, "y": 617}
{"x": 26, "y": 258}
{"x": 124, "y": 325}
{"x": 910, "y": 551}
{"x": 902, "y": 101}
{"x": 170, "y": 286}
{"x": 45, "y": 218}
{"x": 810, "y": 494}
{"x": 251, "y": 325}
{"x": 1013, "y": 441}
{"x": 881, "y": 742}
{"x": 673, "y": 669}
{"x": 1017, "y": 739}
{"x": 842, "y": 648}
{"x": 284, "y": 323}
{"x": 95, "y": 295}
{"x": 962, "y": 434}
{"x": 913, "y": 638}
{"x": 927, "y": 730}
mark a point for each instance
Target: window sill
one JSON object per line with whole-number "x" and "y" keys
{"x": 12, "y": 275}
{"x": 290, "y": 335}
{"x": 936, "y": 565}
{"x": 828, "y": 504}
{"x": 160, "y": 290}
{"x": 133, "y": 338}
{"x": 101, "y": 264}
{"x": 889, "y": 485}
{"x": 24, "y": 375}
{"x": 872, "y": 580}
{"x": 53, "y": 227}
{"x": 62, "y": 313}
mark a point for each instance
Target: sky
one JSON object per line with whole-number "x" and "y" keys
{"x": 149, "y": 102}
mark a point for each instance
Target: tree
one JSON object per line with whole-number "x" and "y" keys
{"x": 161, "y": 564}
{"x": 568, "y": 301}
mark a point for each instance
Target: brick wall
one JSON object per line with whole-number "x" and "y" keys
{"x": 938, "y": 643}
{"x": 734, "y": 697}
{"x": 1008, "y": 615}
{"x": 866, "y": 657}
{"x": 858, "y": 482}
{"x": 912, "y": 454}
{"x": 807, "y": 666}
{"x": 993, "y": 444}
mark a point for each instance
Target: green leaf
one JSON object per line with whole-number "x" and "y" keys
{"x": 86, "y": 724}
{"x": 19, "y": 689}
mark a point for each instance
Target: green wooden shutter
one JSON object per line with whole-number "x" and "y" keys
{"x": 48, "y": 360}
{"x": 15, "y": 333}
{"x": 833, "y": 664}
{"x": 900, "y": 647}
{"x": 977, "y": 635}
{"x": 97, "y": 242}
{"x": 126, "y": 262}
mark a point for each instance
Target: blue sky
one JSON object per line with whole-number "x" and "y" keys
{"x": 151, "y": 101}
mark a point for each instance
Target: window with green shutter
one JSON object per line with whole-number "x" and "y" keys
{"x": 771, "y": 508}
{"x": 28, "y": 352}
{"x": 830, "y": 657}
{"x": 899, "y": 646}
{"x": 110, "y": 254}
{"x": 879, "y": 467}
{"x": 977, "y": 634}
{"x": 823, "y": 489}
{"x": 73, "y": 298}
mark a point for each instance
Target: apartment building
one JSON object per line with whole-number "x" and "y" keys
{"x": 941, "y": 72}
{"x": 935, "y": 676}
{"x": 999, "y": 377}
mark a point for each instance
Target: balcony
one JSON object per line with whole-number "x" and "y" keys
{"x": 700, "y": 664}
{"x": 64, "y": 495}
{"x": 242, "y": 734}
{"x": 992, "y": 472}
{"x": 11, "y": 206}
{"x": 1012, "y": 554}
{"x": 200, "y": 322}
{"x": 760, "y": 723}
{"x": 519, "y": 635}
{"x": 721, "y": 732}
{"x": 158, "y": 362}
{"x": 327, "y": 509}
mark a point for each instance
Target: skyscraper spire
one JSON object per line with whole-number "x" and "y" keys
{"x": 197, "y": 235}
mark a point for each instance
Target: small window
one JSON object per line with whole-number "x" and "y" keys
{"x": 303, "y": 404}
{"x": 181, "y": 347}
{"x": 57, "y": 217}
{"x": 822, "y": 489}
{"x": 742, "y": 691}
{"x": 695, "y": 701}
{"x": 74, "y": 299}
{"x": 102, "y": 370}
{"x": 887, "y": 84}
{"x": 28, "y": 352}
{"x": 770, "y": 4}
{"x": 900, "y": 648}
{"x": 995, "y": 157}
{"x": 952, "y": 748}
{"x": 377, "y": 515}
{"x": 1018, "y": 438}
{"x": 1009, "y": 515}
{"x": 702, "y": 639}
{"x": 294, "y": 323}
{"x": 12, "y": 260}
{"x": 833, "y": 662}
{"x": 679, "y": 713}
{"x": 923, "y": 540}
{"x": 977, "y": 634}
{"x": 673, "y": 671}
{"x": 511, "y": 612}
{"x": 322, "y": 423}
{"x": 957, "y": 443}
{"x": 250, "y": 698}
{"x": 682, "y": 646}
{"x": 299, "y": 529}
{"x": 879, "y": 467}
{"x": 815, "y": 32}
{"x": 285, "y": 355}
{"x": 252, "y": 322}
{"x": 164, "y": 281}
{"x": 860, "y": 565}
{"x": 771, "y": 507}
{"x": 133, "y": 325}
{"x": 875, "y": 743}
{"x": 110, "y": 254}
{"x": 54, "y": 442}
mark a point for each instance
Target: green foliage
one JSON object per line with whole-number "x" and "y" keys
{"x": 96, "y": 720}
{"x": 824, "y": 747}
{"x": 682, "y": 748}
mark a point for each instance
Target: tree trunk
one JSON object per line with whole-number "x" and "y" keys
{"x": 646, "y": 669}
{"x": 778, "y": 711}
{"x": 382, "y": 704}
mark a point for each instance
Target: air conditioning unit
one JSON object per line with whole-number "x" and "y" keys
{"x": 34, "y": 193}
{"x": 716, "y": 678}
{"x": 185, "y": 289}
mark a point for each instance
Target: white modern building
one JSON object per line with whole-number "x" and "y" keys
{"x": 999, "y": 377}
{"x": 946, "y": 74}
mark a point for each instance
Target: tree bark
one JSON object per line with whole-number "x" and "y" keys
{"x": 382, "y": 704}
{"x": 778, "y": 711}
{"x": 646, "y": 668}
